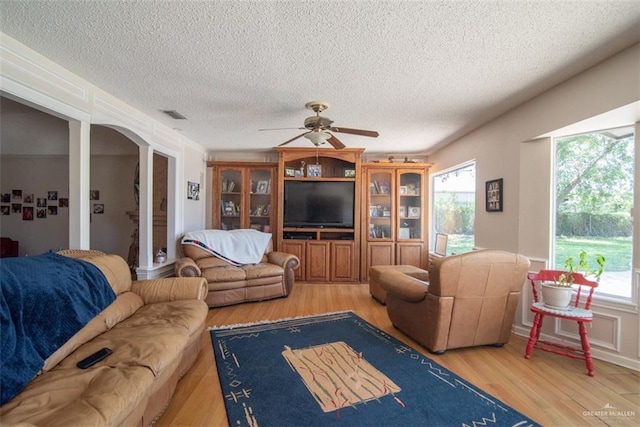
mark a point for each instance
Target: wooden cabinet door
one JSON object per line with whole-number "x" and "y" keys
{"x": 343, "y": 261}
{"x": 412, "y": 254}
{"x": 317, "y": 261}
{"x": 297, "y": 248}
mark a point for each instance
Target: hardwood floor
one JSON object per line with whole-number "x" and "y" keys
{"x": 550, "y": 389}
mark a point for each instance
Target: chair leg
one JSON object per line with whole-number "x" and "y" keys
{"x": 586, "y": 348}
{"x": 534, "y": 335}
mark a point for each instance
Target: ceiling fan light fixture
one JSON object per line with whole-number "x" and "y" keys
{"x": 317, "y": 138}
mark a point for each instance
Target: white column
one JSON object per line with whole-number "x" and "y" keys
{"x": 145, "y": 258}
{"x": 173, "y": 199}
{"x": 79, "y": 185}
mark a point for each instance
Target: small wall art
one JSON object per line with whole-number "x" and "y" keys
{"x": 495, "y": 195}
{"x": 98, "y": 208}
{"x": 27, "y": 213}
{"x": 193, "y": 190}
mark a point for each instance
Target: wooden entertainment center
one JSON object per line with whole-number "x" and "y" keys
{"x": 389, "y": 224}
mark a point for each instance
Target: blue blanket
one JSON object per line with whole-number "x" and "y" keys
{"x": 44, "y": 301}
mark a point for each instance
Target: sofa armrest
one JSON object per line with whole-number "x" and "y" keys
{"x": 170, "y": 289}
{"x": 283, "y": 259}
{"x": 288, "y": 262}
{"x": 403, "y": 286}
{"x": 186, "y": 267}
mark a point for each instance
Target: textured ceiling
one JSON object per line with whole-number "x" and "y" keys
{"x": 420, "y": 72}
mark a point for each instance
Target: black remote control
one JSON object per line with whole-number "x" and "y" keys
{"x": 94, "y": 358}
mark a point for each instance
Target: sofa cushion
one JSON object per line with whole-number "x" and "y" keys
{"x": 154, "y": 336}
{"x": 257, "y": 271}
{"x": 75, "y": 397}
{"x": 224, "y": 274}
{"x": 124, "y": 306}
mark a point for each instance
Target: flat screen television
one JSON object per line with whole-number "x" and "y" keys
{"x": 316, "y": 204}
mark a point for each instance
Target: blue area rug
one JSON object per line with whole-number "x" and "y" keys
{"x": 337, "y": 369}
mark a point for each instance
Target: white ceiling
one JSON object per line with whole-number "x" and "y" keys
{"x": 421, "y": 73}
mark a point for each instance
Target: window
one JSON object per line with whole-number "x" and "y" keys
{"x": 594, "y": 175}
{"x": 454, "y": 207}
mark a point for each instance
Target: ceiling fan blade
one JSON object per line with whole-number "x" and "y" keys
{"x": 371, "y": 133}
{"x": 337, "y": 144}
{"x": 293, "y": 139}
{"x": 279, "y": 129}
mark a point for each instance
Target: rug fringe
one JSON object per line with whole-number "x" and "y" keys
{"x": 264, "y": 322}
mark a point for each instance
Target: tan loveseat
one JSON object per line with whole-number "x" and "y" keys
{"x": 470, "y": 300}
{"x": 154, "y": 328}
{"x": 272, "y": 277}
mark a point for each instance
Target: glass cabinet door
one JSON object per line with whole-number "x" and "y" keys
{"x": 260, "y": 211}
{"x": 409, "y": 205}
{"x": 380, "y": 204}
{"x": 230, "y": 199}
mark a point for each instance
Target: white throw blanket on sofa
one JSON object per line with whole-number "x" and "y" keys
{"x": 237, "y": 247}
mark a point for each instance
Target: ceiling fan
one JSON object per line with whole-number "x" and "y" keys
{"x": 319, "y": 128}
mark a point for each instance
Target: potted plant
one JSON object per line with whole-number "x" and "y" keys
{"x": 558, "y": 294}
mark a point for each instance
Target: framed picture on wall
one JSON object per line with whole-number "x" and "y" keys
{"x": 193, "y": 190}
{"x": 495, "y": 196}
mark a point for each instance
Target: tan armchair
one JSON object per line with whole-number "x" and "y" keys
{"x": 470, "y": 300}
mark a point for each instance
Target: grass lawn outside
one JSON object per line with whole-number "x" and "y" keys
{"x": 616, "y": 250}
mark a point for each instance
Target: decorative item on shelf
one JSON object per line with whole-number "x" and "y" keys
{"x": 405, "y": 231}
{"x": 349, "y": 173}
{"x": 263, "y": 187}
{"x": 314, "y": 171}
{"x": 229, "y": 208}
{"x": 386, "y": 211}
{"x": 414, "y": 212}
{"x": 402, "y": 211}
{"x": 302, "y": 164}
{"x": 558, "y": 294}
{"x": 289, "y": 172}
{"x": 228, "y": 186}
{"x": 403, "y": 190}
{"x": 161, "y": 256}
{"x": 494, "y": 195}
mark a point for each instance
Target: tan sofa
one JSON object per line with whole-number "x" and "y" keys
{"x": 470, "y": 300}
{"x": 154, "y": 328}
{"x": 228, "y": 284}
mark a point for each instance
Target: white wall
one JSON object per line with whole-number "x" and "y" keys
{"x": 112, "y": 176}
{"x": 511, "y": 147}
